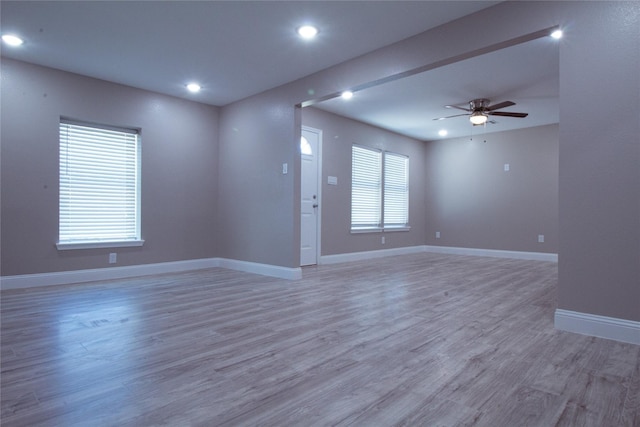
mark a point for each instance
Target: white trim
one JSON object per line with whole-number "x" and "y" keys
{"x": 97, "y": 245}
{"x": 598, "y": 326}
{"x": 392, "y": 228}
{"x": 262, "y": 269}
{"x": 534, "y": 256}
{"x": 367, "y": 230}
{"x": 359, "y": 256}
{"x": 92, "y": 275}
{"x": 385, "y": 229}
{"x": 320, "y": 202}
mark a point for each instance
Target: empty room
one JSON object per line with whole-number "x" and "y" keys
{"x": 320, "y": 213}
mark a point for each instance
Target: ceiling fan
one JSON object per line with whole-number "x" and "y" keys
{"x": 480, "y": 109}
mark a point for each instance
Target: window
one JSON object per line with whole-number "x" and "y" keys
{"x": 99, "y": 186}
{"x": 379, "y": 190}
{"x": 396, "y": 190}
{"x": 366, "y": 188}
{"x": 305, "y": 147}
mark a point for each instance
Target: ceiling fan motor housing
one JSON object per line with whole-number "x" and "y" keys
{"x": 480, "y": 104}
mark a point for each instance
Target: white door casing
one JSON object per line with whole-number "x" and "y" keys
{"x": 310, "y": 196}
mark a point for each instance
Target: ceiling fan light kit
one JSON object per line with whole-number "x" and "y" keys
{"x": 478, "y": 118}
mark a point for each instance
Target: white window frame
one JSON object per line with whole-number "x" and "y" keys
{"x": 90, "y": 153}
{"x": 382, "y": 177}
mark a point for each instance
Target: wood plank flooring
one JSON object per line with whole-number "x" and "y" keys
{"x": 425, "y": 339}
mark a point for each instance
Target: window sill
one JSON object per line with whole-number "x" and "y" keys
{"x": 397, "y": 228}
{"x": 366, "y": 230}
{"x": 98, "y": 245}
{"x": 387, "y": 229}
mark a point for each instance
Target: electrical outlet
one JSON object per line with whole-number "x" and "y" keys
{"x": 383, "y": 240}
{"x": 113, "y": 258}
{"x": 540, "y": 238}
{"x": 437, "y": 234}
{"x": 285, "y": 168}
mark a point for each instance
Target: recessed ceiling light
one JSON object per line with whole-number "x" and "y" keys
{"x": 307, "y": 31}
{"x": 557, "y": 34}
{"x": 347, "y": 94}
{"x": 193, "y": 87}
{"x": 442, "y": 132}
{"x": 12, "y": 40}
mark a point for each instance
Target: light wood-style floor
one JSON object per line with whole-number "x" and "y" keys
{"x": 426, "y": 339}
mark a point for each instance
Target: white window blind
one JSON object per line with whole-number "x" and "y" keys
{"x": 99, "y": 184}
{"x": 379, "y": 190}
{"x": 366, "y": 187}
{"x": 396, "y": 190}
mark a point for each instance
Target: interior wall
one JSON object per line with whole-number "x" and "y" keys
{"x": 258, "y": 219}
{"x": 339, "y": 134}
{"x": 599, "y": 178}
{"x": 599, "y": 262}
{"x": 179, "y": 178}
{"x": 473, "y": 202}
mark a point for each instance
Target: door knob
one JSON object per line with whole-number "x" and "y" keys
{"x": 315, "y": 205}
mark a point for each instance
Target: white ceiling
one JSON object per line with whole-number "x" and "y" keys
{"x": 527, "y": 74}
{"x": 236, "y": 49}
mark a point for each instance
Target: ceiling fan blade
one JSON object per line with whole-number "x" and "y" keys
{"x": 500, "y": 105}
{"x": 507, "y": 114}
{"x": 448, "y": 117}
{"x": 459, "y": 108}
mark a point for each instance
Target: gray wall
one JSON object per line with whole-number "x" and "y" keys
{"x": 599, "y": 148}
{"x": 258, "y": 219}
{"x": 474, "y": 203}
{"x": 179, "y": 177}
{"x": 599, "y": 256}
{"x": 339, "y": 133}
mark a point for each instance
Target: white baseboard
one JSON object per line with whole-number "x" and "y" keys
{"x": 360, "y": 256}
{"x": 598, "y": 326}
{"x": 494, "y": 253}
{"x": 92, "y": 275}
{"x": 262, "y": 269}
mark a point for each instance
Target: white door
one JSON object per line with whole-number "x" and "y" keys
{"x": 310, "y": 198}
